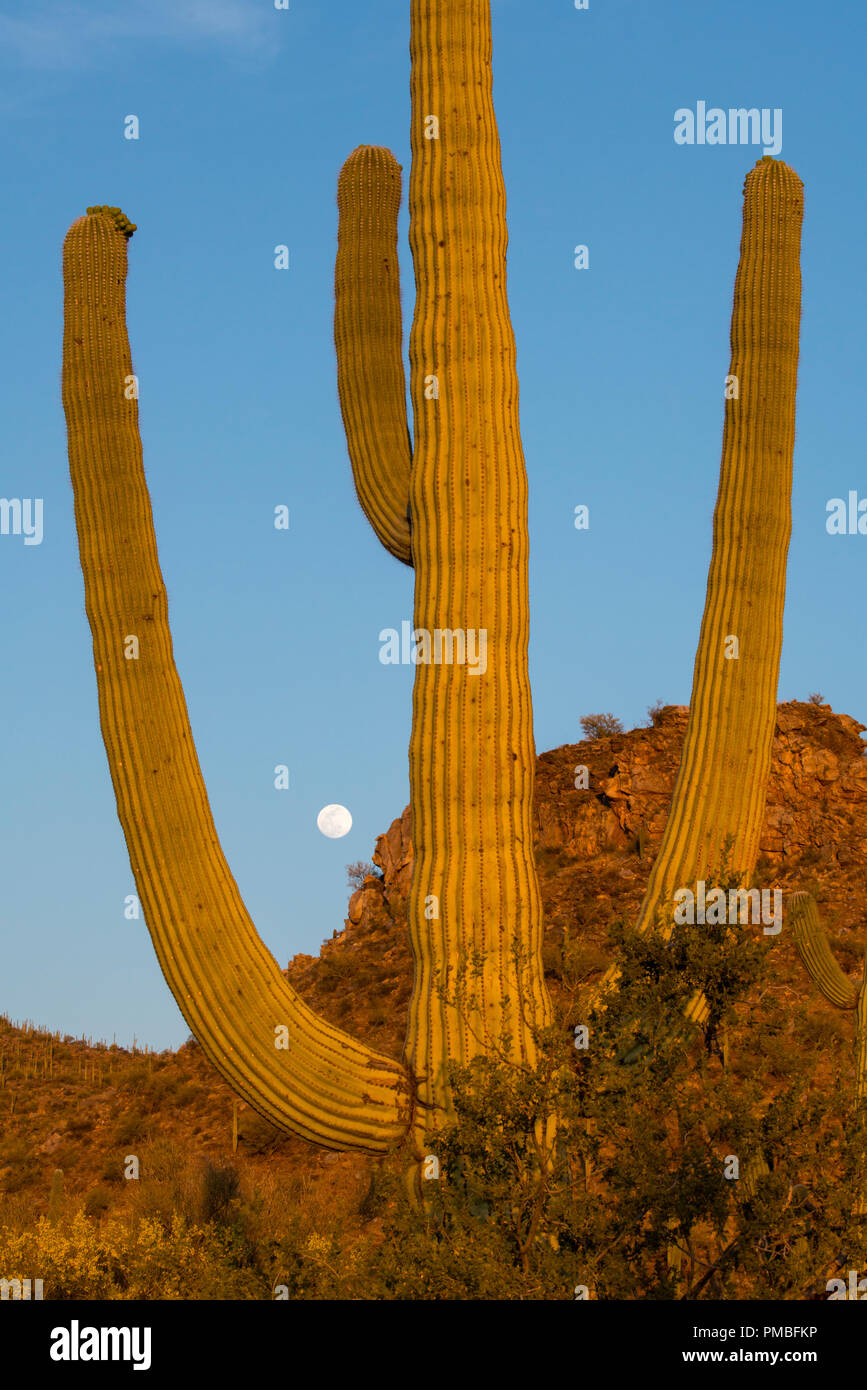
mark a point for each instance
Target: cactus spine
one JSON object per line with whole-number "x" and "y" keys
{"x": 310, "y": 1077}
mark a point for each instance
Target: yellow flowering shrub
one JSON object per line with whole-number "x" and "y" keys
{"x": 81, "y": 1260}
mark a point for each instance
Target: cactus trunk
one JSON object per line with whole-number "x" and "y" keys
{"x": 474, "y": 895}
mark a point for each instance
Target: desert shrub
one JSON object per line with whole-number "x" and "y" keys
{"x": 14, "y": 1150}
{"x": 640, "y": 1198}
{"x": 97, "y": 1201}
{"x": 80, "y": 1123}
{"x": 135, "y": 1078}
{"x": 112, "y": 1169}
{"x": 600, "y": 725}
{"x": 130, "y": 1128}
{"x": 259, "y": 1136}
{"x": 356, "y": 873}
{"x": 218, "y": 1189}
{"x": 122, "y": 1260}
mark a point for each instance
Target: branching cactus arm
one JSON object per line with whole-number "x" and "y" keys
{"x": 300, "y": 1072}
{"x": 368, "y": 337}
{"x": 815, "y": 952}
{"x": 721, "y": 785}
{"x": 802, "y": 916}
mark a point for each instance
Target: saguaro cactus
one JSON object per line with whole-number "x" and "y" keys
{"x": 720, "y": 791}
{"x": 802, "y": 916}
{"x": 455, "y": 505}
{"x": 452, "y": 502}
{"x": 474, "y": 890}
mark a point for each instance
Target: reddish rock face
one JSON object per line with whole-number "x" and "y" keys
{"x": 817, "y": 790}
{"x": 594, "y": 846}
{"x": 393, "y": 853}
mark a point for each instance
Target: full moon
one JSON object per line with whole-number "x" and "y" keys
{"x": 334, "y": 821}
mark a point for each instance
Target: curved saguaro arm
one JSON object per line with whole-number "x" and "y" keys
{"x": 809, "y": 937}
{"x": 300, "y": 1072}
{"x": 368, "y": 338}
{"x": 474, "y": 892}
{"x": 813, "y": 948}
{"x": 722, "y": 780}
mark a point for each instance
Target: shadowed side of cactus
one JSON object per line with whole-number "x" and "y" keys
{"x": 297, "y": 1070}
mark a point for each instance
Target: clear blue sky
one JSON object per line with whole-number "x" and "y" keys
{"x": 246, "y": 114}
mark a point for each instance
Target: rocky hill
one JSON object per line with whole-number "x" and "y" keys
{"x": 594, "y": 849}
{"x": 82, "y": 1107}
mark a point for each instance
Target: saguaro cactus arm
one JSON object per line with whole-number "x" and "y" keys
{"x": 299, "y": 1071}
{"x": 368, "y": 338}
{"x": 813, "y": 948}
{"x": 721, "y": 784}
{"x": 802, "y": 916}
{"x": 722, "y": 781}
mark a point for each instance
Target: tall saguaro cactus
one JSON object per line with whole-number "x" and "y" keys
{"x": 454, "y": 505}
{"x": 462, "y": 495}
{"x": 472, "y": 754}
{"x": 451, "y": 501}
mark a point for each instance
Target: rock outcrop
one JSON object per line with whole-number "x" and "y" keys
{"x": 594, "y": 847}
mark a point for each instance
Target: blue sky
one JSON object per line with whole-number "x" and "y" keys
{"x": 246, "y": 115}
